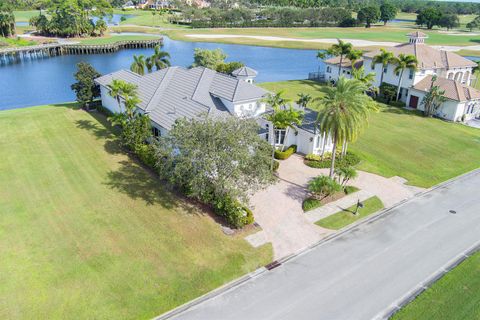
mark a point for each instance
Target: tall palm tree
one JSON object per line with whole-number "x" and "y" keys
{"x": 161, "y": 59}
{"x": 121, "y": 89}
{"x": 402, "y": 63}
{"x": 344, "y": 112}
{"x": 366, "y": 78}
{"x": 383, "y": 58}
{"x": 354, "y": 55}
{"x": 340, "y": 49}
{"x": 138, "y": 65}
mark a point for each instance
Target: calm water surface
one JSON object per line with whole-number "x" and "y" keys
{"x": 48, "y": 80}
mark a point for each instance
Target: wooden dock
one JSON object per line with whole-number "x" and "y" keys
{"x": 9, "y": 55}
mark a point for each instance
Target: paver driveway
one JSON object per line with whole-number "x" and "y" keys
{"x": 278, "y": 209}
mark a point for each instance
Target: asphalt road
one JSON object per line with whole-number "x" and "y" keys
{"x": 364, "y": 272}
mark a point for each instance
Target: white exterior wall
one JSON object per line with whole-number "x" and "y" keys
{"x": 109, "y": 102}
{"x": 245, "y": 108}
{"x": 449, "y": 110}
{"x": 331, "y": 72}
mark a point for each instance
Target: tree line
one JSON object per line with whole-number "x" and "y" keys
{"x": 7, "y": 21}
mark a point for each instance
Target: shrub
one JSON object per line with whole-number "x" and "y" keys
{"x": 349, "y": 160}
{"x": 234, "y": 213}
{"x": 398, "y": 104}
{"x": 388, "y": 91}
{"x": 348, "y": 23}
{"x": 146, "y": 153}
{"x": 313, "y": 157}
{"x": 276, "y": 164}
{"x": 282, "y": 155}
{"x": 323, "y": 186}
{"x": 310, "y": 204}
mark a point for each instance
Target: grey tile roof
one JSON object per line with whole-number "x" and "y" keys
{"x": 309, "y": 120}
{"x": 177, "y": 92}
{"x": 244, "y": 72}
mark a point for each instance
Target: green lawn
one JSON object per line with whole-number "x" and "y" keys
{"x": 456, "y": 296}
{"x": 146, "y": 18}
{"x": 113, "y": 39}
{"x": 25, "y": 15}
{"x": 398, "y": 142}
{"x": 291, "y": 89}
{"x": 15, "y": 42}
{"x": 87, "y": 233}
{"x": 345, "y": 217}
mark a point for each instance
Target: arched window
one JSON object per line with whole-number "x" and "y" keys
{"x": 450, "y": 76}
{"x": 458, "y": 76}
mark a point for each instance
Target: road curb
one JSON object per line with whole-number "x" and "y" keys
{"x": 382, "y": 213}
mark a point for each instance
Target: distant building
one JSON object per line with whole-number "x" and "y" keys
{"x": 454, "y": 75}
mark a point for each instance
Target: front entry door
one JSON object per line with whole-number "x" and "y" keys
{"x": 413, "y": 102}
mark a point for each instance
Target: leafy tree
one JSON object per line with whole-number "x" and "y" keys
{"x": 208, "y": 58}
{"x": 429, "y": 17}
{"x": 388, "y": 12}
{"x": 472, "y": 25}
{"x": 85, "y": 88}
{"x": 433, "y": 99}
{"x": 404, "y": 62}
{"x": 366, "y": 78}
{"x": 449, "y": 21}
{"x": 344, "y": 112}
{"x": 7, "y": 20}
{"x": 323, "y": 186}
{"x": 368, "y": 15}
{"x": 160, "y": 59}
{"x": 214, "y": 159}
{"x": 101, "y": 26}
{"x": 138, "y": 64}
{"x": 340, "y": 49}
{"x": 283, "y": 117}
{"x": 228, "y": 67}
{"x": 384, "y": 58}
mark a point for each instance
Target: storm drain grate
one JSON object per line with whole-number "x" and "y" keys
{"x": 273, "y": 265}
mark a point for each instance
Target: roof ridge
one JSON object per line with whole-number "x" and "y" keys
{"x": 236, "y": 90}
{"x": 168, "y": 72}
{"x": 198, "y": 82}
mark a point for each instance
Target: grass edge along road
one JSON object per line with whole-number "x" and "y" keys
{"x": 86, "y": 231}
{"x": 399, "y": 142}
{"x": 455, "y": 296}
{"x": 346, "y": 217}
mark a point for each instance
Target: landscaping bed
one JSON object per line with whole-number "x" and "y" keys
{"x": 345, "y": 217}
{"x": 311, "y": 203}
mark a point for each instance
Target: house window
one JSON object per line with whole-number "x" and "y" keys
{"x": 156, "y": 133}
{"x": 385, "y": 69}
{"x": 372, "y": 66}
{"x": 406, "y": 92}
{"x": 280, "y": 136}
{"x": 317, "y": 142}
{"x": 411, "y": 74}
{"x": 329, "y": 69}
{"x": 267, "y": 135}
{"x": 397, "y": 73}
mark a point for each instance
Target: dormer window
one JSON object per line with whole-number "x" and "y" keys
{"x": 411, "y": 74}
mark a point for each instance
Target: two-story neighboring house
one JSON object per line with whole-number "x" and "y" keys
{"x": 453, "y": 72}
{"x": 175, "y": 92}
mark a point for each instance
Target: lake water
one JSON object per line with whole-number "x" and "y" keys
{"x": 48, "y": 80}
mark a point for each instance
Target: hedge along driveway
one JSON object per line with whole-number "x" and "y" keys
{"x": 86, "y": 232}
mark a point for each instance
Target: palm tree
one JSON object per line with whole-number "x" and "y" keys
{"x": 402, "y": 62}
{"x": 340, "y": 49}
{"x": 149, "y": 64}
{"x": 283, "y": 117}
{"x": 353, "y": 56}
{"x": 304, "y": 100}
{"x": 121, "y": 89}
{"x": 161, "y": 59}
{"x": 138, "y": 65}
{"x": 344, "y": 112}
{"x": 383, "y": 58}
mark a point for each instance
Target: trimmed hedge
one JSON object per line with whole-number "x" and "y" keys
{"x": 350, "y": 160}
{"x": 282, "y": 155}
{"x": 276, "y": 164}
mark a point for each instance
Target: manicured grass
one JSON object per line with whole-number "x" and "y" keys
{"x": 398, "y": 142}
{"x": 456, "y": 296}
{"x": 113, "y": 39}
{"x": 310, "y": 204}
{"x": 377, "y": 33}
{"x": 292, "y": 88}
{"x": 345, "y": 217}
{"x": 15, "y": 42}
{"x": 25, "y": 15}
{"x": 88, "y": 233}
{"x": 146, "y": 18}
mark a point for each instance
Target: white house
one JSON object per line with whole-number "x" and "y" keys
{"x": 175, "y": 92}
{"x": 444, "y": 64}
